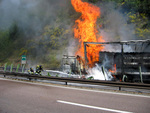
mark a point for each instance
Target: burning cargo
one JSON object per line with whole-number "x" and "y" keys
{"x": 129, "y": 63}
{"x": 126, "y": 64}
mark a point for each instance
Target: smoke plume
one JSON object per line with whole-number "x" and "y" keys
{"x": 29, "y": 14}
{"x": 115, "y": 26}
{"x": 39, "y": 20}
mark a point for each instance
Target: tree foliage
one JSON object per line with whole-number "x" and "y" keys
{"x": 142, "y": 29}
{"x": 10, "y": 41}
{"x": 45, "y": 45}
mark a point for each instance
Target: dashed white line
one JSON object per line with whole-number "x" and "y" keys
{"x": 93, "y": 107}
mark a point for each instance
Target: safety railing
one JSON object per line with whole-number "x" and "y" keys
{"x": 77, "y": 80}
{"x": 12, "y": 68}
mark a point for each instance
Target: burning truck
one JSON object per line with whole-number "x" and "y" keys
{"x": 130, "y": 60}
{"x": 73, "y": 65}
{"x": 127, "y": 61}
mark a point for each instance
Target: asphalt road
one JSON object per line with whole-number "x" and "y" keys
{"x": 25, "y": 97}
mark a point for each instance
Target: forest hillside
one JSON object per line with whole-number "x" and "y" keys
{"x": 43, "y": 29}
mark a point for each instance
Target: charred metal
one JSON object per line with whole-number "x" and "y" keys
{"x": 131, "y": 66}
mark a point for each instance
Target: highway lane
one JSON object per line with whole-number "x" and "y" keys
{"x": 26, "y": 97}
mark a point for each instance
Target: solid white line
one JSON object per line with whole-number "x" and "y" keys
{"x": 93, "y": 107}
{"x": 115, "y": 93}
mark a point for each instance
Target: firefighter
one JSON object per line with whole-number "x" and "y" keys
{"x": 39, "y": 68}
{"x": 31, "y": 71}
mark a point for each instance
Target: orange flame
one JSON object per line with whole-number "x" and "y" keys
{"x": 113, "y": 71}
{"x": 85, "y": 30}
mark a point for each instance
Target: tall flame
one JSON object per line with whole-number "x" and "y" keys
{"x": 85, "y": 29}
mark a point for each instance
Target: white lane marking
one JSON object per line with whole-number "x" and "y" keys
{"x": 94, "y": 107}
{"x": 115, "y": 93}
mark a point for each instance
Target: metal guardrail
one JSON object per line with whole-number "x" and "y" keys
{"x": 12, "y": 69}
{"x": 82, "y": 81}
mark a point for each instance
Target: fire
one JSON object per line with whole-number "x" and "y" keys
{"x": 85, "y": 30}
{"x": 113, "y": 71}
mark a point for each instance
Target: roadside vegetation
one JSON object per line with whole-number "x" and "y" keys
{"x": 47, "y": 45}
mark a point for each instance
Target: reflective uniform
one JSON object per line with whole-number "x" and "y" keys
{"x": 31, "y": 71}
{"x": 39, "y": 68}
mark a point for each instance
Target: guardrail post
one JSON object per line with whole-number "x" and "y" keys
{"x": 11, "y": 67}
{"x": 119, "y": 88}
{"x": 66, "y": 83}
{"x": 5, "y": 67}
{"x": 17, "y": 68}
{"x": 29, "y": 78}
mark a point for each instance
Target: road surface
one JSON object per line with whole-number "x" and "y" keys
{"x": 27, "y": 97}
